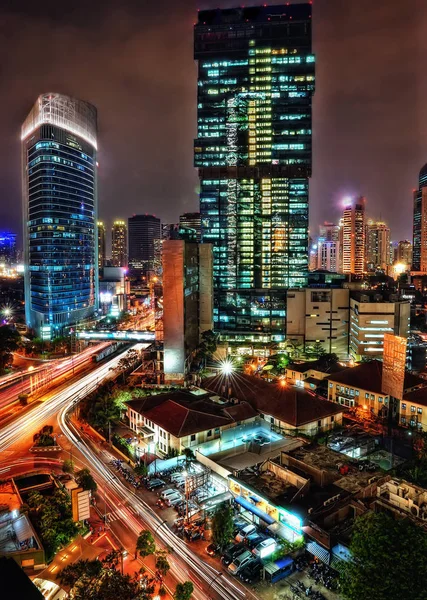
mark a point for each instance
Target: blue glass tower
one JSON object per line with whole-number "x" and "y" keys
{"x": 253, "y": 151}
{"x": 60, "y": 213}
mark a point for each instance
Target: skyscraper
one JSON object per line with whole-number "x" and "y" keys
{"x": 328, "y": 255}
{"x": 8, "y": 253}
{"x": 329, "y": 232}
{"x": 101, "y": 244}
{"x": 353, "y": 237}
{"x": 404, "y": 252}
{"x": 419, "y": 246}
{"x": 253, "y": 152}
{"x": 59, "y": 183}
{"x": 119, "y": 244}
{"x": 142, "y": 230}
{"x": 377, "y": 251}
{"x": 191, "y": 221}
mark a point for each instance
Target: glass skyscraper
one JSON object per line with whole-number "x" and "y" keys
{"x": 59, "y": 182}
{"x": 253, "y": 152}
{"x": 419, "y": 248}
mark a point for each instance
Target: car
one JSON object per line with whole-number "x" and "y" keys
{"x": 240, "y": 562}
{"x": 265, "y": 548}
{"x": 239, "y": 524}
{"x": 254, "y": 539}
{"x": 169, "y": 492}
{"x": 173, "y": 500}
{"x": 243, "y": 533}
{"x": 252, "y": 572}
{"x": 212, "y": 549}
{"x": 155, "y": 483}
{"x": 231, "y": 552}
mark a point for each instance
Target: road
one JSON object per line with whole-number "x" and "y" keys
{"x": 33, "y": 420}
{"x": 35, "y": 379}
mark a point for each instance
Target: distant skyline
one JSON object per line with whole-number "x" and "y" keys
{"x": 134, "y": 61}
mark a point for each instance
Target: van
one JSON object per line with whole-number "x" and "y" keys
{"x": 166, "y": 493}
{"x": 243, "y": 533}
{"x": 265, "y": 548}
{"x": 240, "y": 562}
{"x": 173, "y": 500}
{"x": 177, "y": 476}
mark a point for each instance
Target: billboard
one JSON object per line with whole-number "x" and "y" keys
{"x": 80, "y": 504}
{"x": 394, "y": 362}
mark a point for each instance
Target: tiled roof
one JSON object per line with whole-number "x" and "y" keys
{"x": 315, "y": 365}
{"x": 417, "y": 396}
{"x": 291, "y": 405}
{"x": 180, "y": 413}
{"x": 368, "y": 376}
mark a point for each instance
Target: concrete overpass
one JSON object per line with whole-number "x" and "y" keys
{"x": 117, "y": 336}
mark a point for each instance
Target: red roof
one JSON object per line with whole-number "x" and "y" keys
{"x": 292, "y": 405}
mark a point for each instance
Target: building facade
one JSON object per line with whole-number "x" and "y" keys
{"x": 253, "y": 151}
{"x": 142, "y": 231}
{"x": 404, "y": 253}
{"x": 101, "y": 245}
{"x": 8, "y": 253}
{"x": 328, "y": 255}
{"x": 419, "y": 243}
{"x": 59, "y": 182}
{"x": 119, "y": 244}
{"x": 319, "y": 315}
{"x": 377, "y": 251}
{"x": 190, "y": 222}
{"x": 371, "y": 316}
{"x": 353, "y": 238}
{"x": 187, "y": 302}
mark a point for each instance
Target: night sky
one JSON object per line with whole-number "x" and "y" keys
{"x": 133, "y": 59}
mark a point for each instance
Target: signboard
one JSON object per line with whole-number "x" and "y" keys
{"x": 394, "y": 362}
{"x": 80, "y": 504}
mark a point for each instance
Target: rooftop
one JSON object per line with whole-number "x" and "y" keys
{"x": 316, "y": 365}
{"x": 273, "y": 488}
{"x": 291, "y": 405}
{"x": 183, "y": 413}
{"x": 368, "y": 376}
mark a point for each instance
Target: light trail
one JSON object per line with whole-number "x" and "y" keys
{"x": 32, "y": 421}
{"x": 215, "y": 580}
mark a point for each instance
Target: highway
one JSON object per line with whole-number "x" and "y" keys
{"x": 185, "y": 563}
{"x": 34, "y": 379}
{"x": 33, "y": 420}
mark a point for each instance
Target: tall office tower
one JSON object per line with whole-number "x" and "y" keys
{"x": 119, "y": 244}
{"x": 329, "y": 232}
{"x": 101, "y": 245}
{"x": 60, "y": 205}
{"x": 253, "y": 151}
{"x": 328, "y": 255}
{"x": 192, "y": 222}
{"x": 377, "y": 246}
{"x": 8, "y": 254}
{"x": 143, "y": 230}
{"x": 404, "y": 252}
{"x": 170, "y": 231}
{"x": 419, "y": 245}
{"x": 353, "y": 237}
{"x": 187, "y": 302}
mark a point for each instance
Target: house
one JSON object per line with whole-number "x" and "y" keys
{"x": 285, "y": 408}
{"x": 185, "y": 418}
{"x": 402, "y": 499}
{"x": 297, "y": 373}
{"x": 362, "y": 386}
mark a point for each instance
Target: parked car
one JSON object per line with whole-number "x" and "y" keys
{"x": 166, "y": 493}
{"x": 243, "y": 533}
{"x": 238, "y": 524}
{"x": 212, "y": 550}
{"x": 254, "y": 539}
{"x": 231, "y": 552}
{"x": 174, "y": 499}
{"x": 252, "y": 572}
{"x": 155, "y": 483}
{"x": 240, "y": 562}
{"x": 265, "y": 548}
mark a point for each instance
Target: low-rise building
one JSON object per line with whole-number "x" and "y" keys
{"x": 184, "y": 419}
{"x": 286, "y": 408}
{"x": 362, "y": 386}
{"x": 402, "y": 499}
{"x": 297, "y": 373}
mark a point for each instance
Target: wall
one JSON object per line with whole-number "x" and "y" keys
{"x": 173, "y": 313}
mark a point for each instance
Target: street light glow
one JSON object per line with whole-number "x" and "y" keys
{"x": 227, "y": 367}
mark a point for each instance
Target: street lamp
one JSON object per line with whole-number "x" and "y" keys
{"x": 227, "y": 367}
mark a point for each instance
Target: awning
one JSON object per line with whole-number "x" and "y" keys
{"x": 317, "y": 550}
{"x": 272, "y": 567}
{"x": 212, "y": 502}
{"x": 23, "y": 529}
{"x": 254, "y": 510}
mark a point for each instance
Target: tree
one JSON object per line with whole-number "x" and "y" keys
{"x": 316, "y": 350}
{"x": 145, "y": 543}
{"x": 162, "y": 564}
{"x": 222, "y": 526}
{"x": 388, "y": 557}
{"x": 189, "y": 456}
{"x": 85, "y": 480}
{"x": 68, "y": 466}
{"x": 141, "y": 469}
{"x": 9, "y": 342}
{"x": 183, "y": 591}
